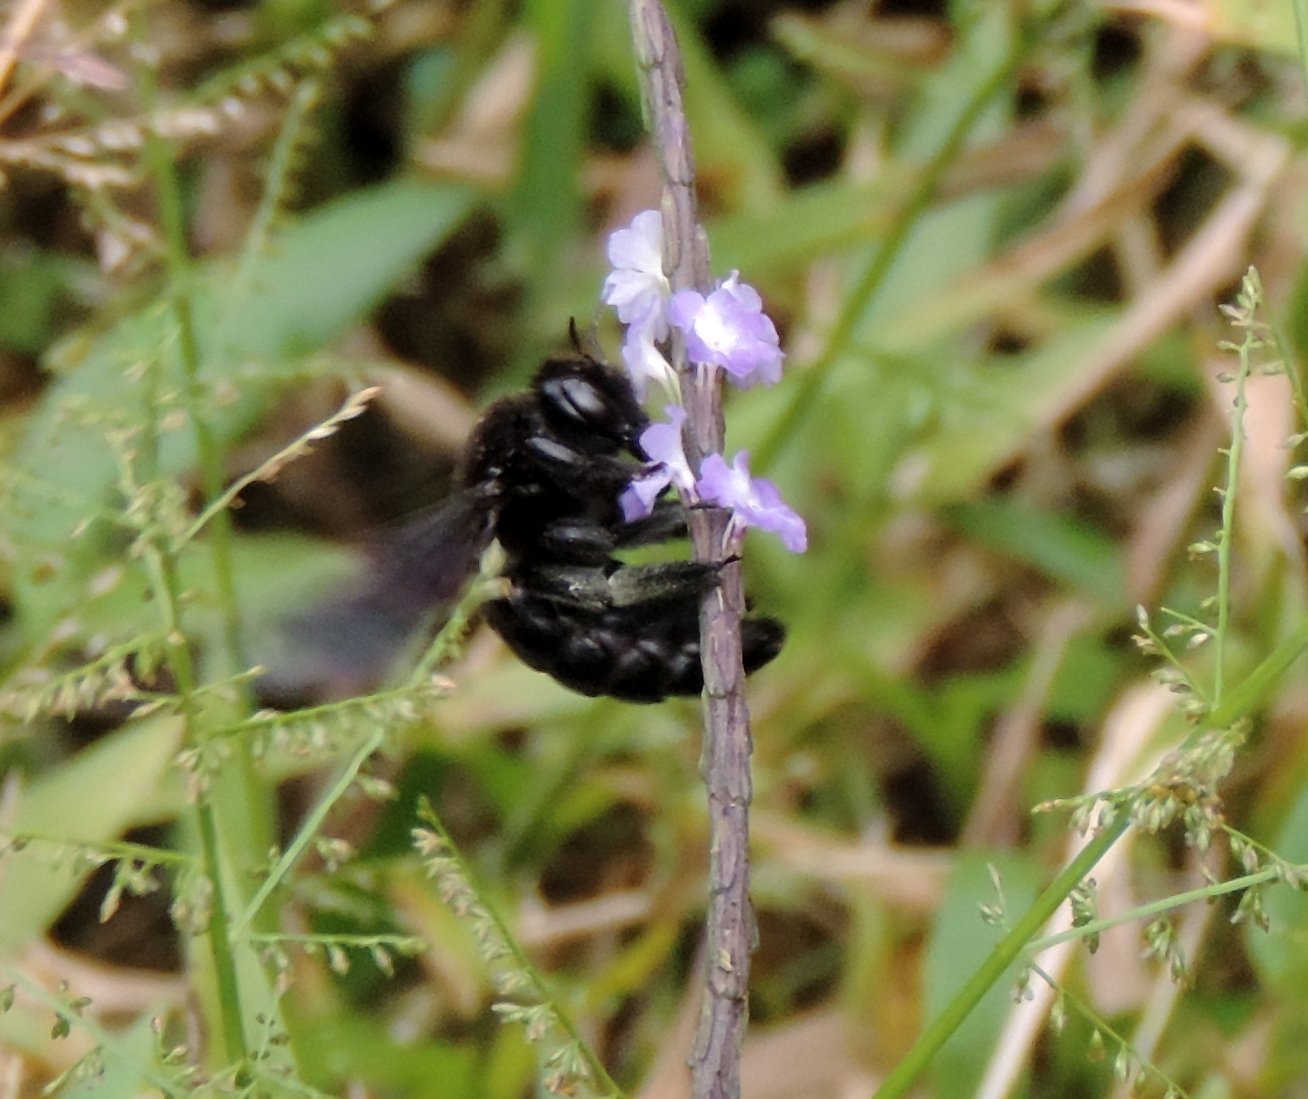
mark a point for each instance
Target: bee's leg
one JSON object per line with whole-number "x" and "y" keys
{"x": 578, "y": 471}
{"x": 578, "y": 542}
{"x": 761, "y": 638}
{"x": 666, "y": 523}
{"x": 633, "y": 586}
{"x": 581, "y": 586}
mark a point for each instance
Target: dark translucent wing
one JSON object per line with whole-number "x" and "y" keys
{"x": 425, "y": 561}
{"x": 416, "y": 572}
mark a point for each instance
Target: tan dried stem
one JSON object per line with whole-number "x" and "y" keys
{"x": 17, "y": 30}
{"x": 1127, "y": 752}
{"x": 715, "y": 1059}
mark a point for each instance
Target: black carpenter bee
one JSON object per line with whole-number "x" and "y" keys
{"x": 542, "y": 474}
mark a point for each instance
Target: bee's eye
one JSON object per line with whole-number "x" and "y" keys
{"x": 581, "y": 401}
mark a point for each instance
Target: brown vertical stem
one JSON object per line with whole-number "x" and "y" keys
{"x": 715, "y": 1058}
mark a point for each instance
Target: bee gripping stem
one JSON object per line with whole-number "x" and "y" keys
{"x": 715, "y": 1057}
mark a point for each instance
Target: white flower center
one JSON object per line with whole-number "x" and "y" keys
{"x": 713, "y": 328}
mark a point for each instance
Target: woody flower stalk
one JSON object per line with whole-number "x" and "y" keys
{"x": 684, "y": 334}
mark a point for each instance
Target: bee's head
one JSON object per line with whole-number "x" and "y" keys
{"x": 590, "y": 404}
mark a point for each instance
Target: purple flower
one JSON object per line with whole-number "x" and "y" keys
{"x": 644, "y": 361}
{"x": 662, "y": 443}
{"x": 637, "y": 280}
{"x": 639, "y": 292}
{"x": 754, "y": 501}
{"x": 729, "y": 329}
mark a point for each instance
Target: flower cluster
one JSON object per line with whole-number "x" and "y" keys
{"x": 726, "y": 329}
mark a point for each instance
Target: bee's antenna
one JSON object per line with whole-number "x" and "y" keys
{"x": 589, "y": 344}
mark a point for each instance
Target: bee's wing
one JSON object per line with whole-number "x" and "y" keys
{"x": 417, "y": 569}
{"x": 423, "y": 562}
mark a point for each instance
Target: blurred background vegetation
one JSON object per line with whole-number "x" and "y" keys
{"x": 994, "y": 236}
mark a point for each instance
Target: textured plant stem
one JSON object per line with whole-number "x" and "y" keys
{"x": 1009, "y": 949}
{"x": 1228, "y": 493}
{"x": 166, "y": 587}
{"x": 1156, "y": 908}
{"x": 446, "y": 863}
{"x": 715, "y": 1058}
{"x": 163, "y": 564}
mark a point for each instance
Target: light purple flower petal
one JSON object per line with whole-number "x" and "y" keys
{"x": 662, "y": 443}
{"x": 644, "y": 361}
{"x": 636, "y": 287}
{"x": 754, "y": 501}
{"x": 637, "y": 499}
{"x": 639, "y": 292}
{"x": 629, "y": 292}
{"x": 640, "y": 245}
{"x": 729, "y": 329}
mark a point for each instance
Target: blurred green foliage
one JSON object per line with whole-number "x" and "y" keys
{"x": 994, "y": 235}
